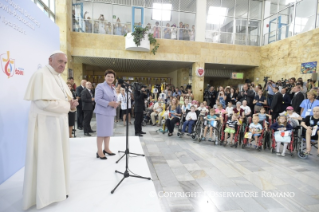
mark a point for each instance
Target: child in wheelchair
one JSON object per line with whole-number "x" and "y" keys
{"x": 191, "y": 118}
{"x": 282, "y": 134}
{"x": 262, "y": 115}
{"x": 212, "y": 122}
{"x": 230, "y": 128}
{"x": 254, "y": 131}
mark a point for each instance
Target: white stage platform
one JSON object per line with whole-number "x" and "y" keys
{"x": 92, "y": 180}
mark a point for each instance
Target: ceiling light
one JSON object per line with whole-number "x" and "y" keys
{"x": 161, "y": 12}
{"x": 216, "y": 15}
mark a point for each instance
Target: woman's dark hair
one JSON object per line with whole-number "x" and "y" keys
{"x": 109, "y": 71}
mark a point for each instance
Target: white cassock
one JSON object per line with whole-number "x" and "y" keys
{"x": 46, "y": 178}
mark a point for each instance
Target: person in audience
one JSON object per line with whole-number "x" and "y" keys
{"x": 239, "y": 111}
{"x": 230, "y": 128}
{"x": 88, "y": 23}
{"x": 175, "y": 112}
{"x": 205, "y": 105}
{"x": 220, "y": 110}
{"x": 202, "y": 109}
{"x": 177, "y": 93}
{"x": 71, "y": 114}
{"x": 79, "y": 110}
{"x": 186, "y": 106}
{"x": 101, "y": 24}
{"x": 213, "y": 95}
{"x": 167, "y": 31}
{"x": 310, "y": 123}
{"x": 211, "y": 118}
{"x": 123, "y": 100}
{"x": 157, "y": 109}
{"x": 307, "y": 105}
{"x": 191, "y": 117}
{"x": 157, "y": 30}
{"x": 186, "y": 32}
{"x": 302, "y": 85}
{"x": 298, "y": 97}
{"x": 118, "y": 109}
{"x": 276, "y": 104}
{"x": 246, "y": 108}
{"x": 222, "y": 99}
{"x": 270, "y": 86}
{"x": 285, "y": 99}
{"x": 189, "y": 95}
{"x": 282, "y": 125}
{"x": 232, "y": 96}
{"x": 73, "y": 85}
{"x": 88, "y": 102}
{"x": 263, "y": 116}
{"x": 181, "y": 31}
{"x": 259, "y": 101}
{"x": 292, "y": 116}
{"x": 247, "y": 95}
{"x": 173, "y": 32}
{"x": 192, "y": 33}
{"x": 255, "y": 128}
{"x": 230, "y": 109}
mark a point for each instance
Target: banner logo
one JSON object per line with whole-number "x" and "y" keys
{"x": 8, "y": 65}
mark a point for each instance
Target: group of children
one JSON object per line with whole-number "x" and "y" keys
{"x": 235, "y": 116}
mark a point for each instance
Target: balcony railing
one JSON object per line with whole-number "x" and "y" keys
{"x": 104, "y": 27}
{"x": 232, "y": 38}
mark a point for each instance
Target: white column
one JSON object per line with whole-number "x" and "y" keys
{"x": 201, "y": 12}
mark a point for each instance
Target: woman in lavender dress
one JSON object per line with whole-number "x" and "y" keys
{"x": 105, "y": 109}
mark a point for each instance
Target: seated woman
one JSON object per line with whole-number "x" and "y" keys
{"x": 158, "y": 108}
{"x": 311, "y": 124}
{"x": 176, "y": 112}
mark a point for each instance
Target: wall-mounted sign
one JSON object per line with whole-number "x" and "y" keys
{"x": 236, "y": 75}
{"x": 200, "y": 72}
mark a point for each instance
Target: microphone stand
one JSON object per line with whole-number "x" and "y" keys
{"x": 126, "y": 174}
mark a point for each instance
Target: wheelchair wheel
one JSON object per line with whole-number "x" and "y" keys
{"x": 272, "y": 150}
{"x": 179, "y": 135}
{"x": 302, "y": 155}
{"x": 243, "y": 146}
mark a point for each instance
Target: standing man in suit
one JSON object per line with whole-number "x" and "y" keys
{"x": 87, "y": 107}
{"x": 213, "y": 95}
{"x": 297, "y": 99}
{"x": 79, "y": 107}
{"x": 285, "y": 99}
{"x": 247, "y": 95}
{"x": 139, "y": 97}
{"x": 276, "y": 104}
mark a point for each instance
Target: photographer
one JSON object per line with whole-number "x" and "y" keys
{"x": 270, "y": 86}
{"x": 139, "y": 97}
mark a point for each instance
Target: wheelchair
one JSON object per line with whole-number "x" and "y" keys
{"x": 195, "y": 127}
{"x": 301, "y": 145}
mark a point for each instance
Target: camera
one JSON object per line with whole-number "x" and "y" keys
{"x": 138, "y": 86}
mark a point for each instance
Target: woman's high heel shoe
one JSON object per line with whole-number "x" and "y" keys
{"x": 97, "y": 156}
{"x": 105, "y": 152}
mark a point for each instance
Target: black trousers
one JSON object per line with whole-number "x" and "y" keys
{"x": 87, "y": 120}
{"x": 171, "y": 124}
{"x": 274, "y": 115}
{"x": 138, "y": 122}
{"x": 80, "y": 116}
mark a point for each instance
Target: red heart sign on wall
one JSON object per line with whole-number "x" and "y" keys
{"x": 200, "y": 72}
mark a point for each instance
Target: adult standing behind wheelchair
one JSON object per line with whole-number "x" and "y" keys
{"x": 311, "y": 124}
{"x": 176, "y": 112}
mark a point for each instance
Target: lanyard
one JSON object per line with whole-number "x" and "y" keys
{"x": 310, "y": 104}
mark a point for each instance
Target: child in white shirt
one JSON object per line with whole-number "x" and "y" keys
{"x": 190, "y": 120}
{"x": 202, "y": 109}
{"x": 229, "y": 109}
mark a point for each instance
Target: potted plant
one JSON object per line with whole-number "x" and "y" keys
{"x": 139, "y": 37}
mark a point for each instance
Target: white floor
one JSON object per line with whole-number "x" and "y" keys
{"x": 92, "y": 180}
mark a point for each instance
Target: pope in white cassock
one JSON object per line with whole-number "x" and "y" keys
{"x": 46, "y": 178}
